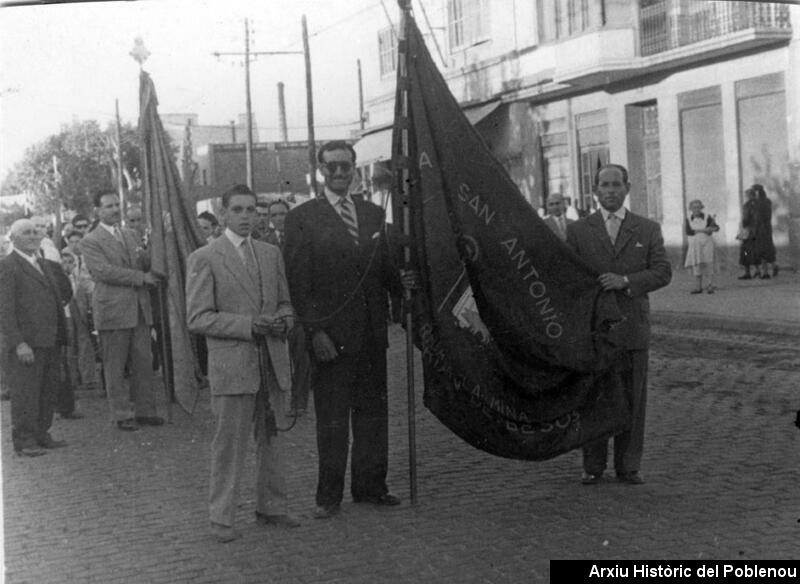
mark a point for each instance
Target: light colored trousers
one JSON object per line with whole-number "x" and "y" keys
{"x": 132, "y": 347}
{"x": 234, "y": 416}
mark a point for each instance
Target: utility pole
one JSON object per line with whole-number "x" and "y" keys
{"x": 312, "y": 146}
{"x": 120, "y": 186}
{"x": 248, "y": 55}
{"x": 282, "y": 113}
{"x": 360, "y": 97}
{"x": 249, "y": 110}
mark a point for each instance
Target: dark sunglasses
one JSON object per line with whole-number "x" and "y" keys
{"x": 331, "y": 166}
{"x": 81, "y": 226}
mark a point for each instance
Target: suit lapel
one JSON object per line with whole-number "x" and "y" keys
{"x": 113, "y": 246}
{"x": 233, "y": 263}
{"x": 599, "y": 227}
{"x": 30, "y": 271}
{"x": 341, "y": 229}
{"x": 627, "y": 230}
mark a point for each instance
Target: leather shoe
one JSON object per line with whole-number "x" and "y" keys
{"x": 631, "y": 478}
{"x": 128, "y": 425}
{"x": 150, "y": 420}
{"x": 325, "y": 512}
{"x": 29, "y": 451}
{"x": 591, "y": 479}
{"x": 71, "y": 416}
{"x": 277, "y": 520}
{"x": 50, "y": 444}
{"x": 386, "y": 500}
{"x": 224, "y": 533}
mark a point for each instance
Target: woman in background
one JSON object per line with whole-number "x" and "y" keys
{"x": 764, "y": 245}
{"x": 747, "y": 230}
{"x": 700, "y": 257}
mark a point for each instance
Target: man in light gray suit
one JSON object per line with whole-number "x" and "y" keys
{"x": 121, "y": 307}
{"x": 237, "y": 296}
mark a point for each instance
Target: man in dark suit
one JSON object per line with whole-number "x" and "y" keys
{"x": 339, "y": 273}
{"x": 33, "y": 292}
{"x": 556, "y": 220}
{"x": 237, "y": 296}
{"x": 122, "y": 315}
{"x": 628, "y": 252}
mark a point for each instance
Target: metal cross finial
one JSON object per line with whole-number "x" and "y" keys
{"x": 139, "y": 52}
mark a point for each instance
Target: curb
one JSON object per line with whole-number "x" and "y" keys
{"x": 696, "y": 320}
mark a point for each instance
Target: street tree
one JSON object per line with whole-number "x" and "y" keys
{"x": 62, "y": 171}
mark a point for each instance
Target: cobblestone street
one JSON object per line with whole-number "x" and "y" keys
{"x": 721, "y": 463}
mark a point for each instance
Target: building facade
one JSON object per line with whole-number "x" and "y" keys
{"x": 697, "y": 98}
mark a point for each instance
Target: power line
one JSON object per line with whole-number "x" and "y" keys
{"x": 336, "y": 23}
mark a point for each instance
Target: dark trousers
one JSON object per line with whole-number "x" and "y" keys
{"x": 65, "y": 395}
{"x": 33, "y": 390}
{"x": 351, "y": 390}
{"x": 628, "y": 446}
{"x": 301, "y": 367}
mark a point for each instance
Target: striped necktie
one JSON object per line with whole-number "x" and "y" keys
{"x": 348, "y": 216}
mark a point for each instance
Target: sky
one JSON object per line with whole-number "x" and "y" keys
{"x": 65, "y": 62}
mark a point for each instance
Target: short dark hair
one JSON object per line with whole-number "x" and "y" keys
{"x": 210, "y": 217}
{"x": 237, "y": 190}
{"x": 619, "y": 167}
{"x": 100, "y": 193}
{"x": 79, "y": 217}
{"x": 278, "y": 202}
{"x": 335, "y": 145}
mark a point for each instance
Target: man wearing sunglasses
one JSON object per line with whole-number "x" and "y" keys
{"x": 339, "y": 274}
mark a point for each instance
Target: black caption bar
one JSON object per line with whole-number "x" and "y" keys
{"x": 659, "y": 571}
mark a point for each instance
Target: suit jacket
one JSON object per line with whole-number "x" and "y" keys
{"x": 32, "y": 304}
{"x": 118, "y": 271}
{"x": 550, "y": 220}
{"x": 221, "y": 302}
{"x": 271, "y": 236}
{"x": 338, "y": 286}
{"x": 638, "y": 254}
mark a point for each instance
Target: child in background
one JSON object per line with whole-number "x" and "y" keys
{"x": 700, "y": 256}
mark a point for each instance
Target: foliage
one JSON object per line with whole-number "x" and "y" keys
{"x": 66, "y": 168}
{"x": 9, "y": 214}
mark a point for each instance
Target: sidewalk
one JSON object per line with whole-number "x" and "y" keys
{"x": 764, "y": 306}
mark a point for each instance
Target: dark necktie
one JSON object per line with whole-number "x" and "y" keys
{"x": 249, "y": 261}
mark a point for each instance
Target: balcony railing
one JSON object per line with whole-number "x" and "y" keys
{"x": 669, "y": 24}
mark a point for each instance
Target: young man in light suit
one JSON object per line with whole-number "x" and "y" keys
{"x": 237, "y": 296}
{"x": 628, "y": 252}
{"x": 122, "y": 314}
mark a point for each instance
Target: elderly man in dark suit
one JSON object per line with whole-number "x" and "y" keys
{"x": 33, "y": 292}
{"x": 628, "y": 252}
{"x": 237, "y": 296}
{"x": 122, "y": 314}
{"x": 339, "y": 274}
